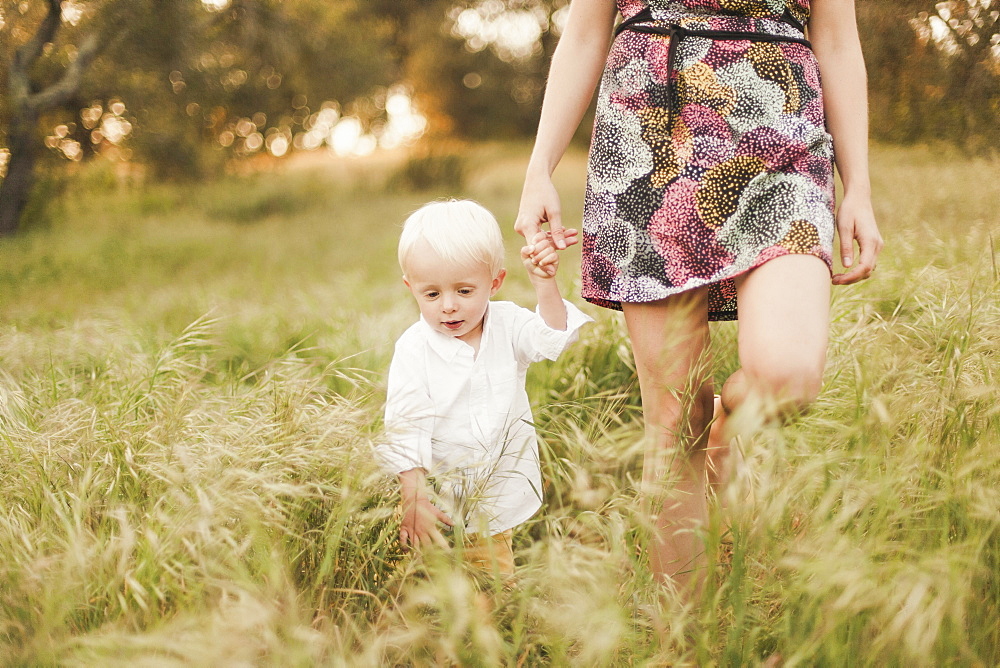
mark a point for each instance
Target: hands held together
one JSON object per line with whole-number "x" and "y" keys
{"x": 540, "y": 256}
{"x": 540, "y": 206}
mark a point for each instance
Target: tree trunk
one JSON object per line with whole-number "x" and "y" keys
{"x": 16, "y": 186}
{"x": 28, "y": 103}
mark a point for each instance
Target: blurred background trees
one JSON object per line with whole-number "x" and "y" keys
{"x": 180, "y": 88}
{"x": 934, "y": 70}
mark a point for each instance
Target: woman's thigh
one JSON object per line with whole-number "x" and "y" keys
{"x": 784, "y": 321}
{"x": 670, "y": 346}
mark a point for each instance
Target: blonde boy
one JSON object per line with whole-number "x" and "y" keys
{"x": 456, "y": 409}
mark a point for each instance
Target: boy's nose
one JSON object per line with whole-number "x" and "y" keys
{"x": 449, "y": 304}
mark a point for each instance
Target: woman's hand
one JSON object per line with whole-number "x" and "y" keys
{"x": 540, "y": 206}
{"x": 856, "y": 223}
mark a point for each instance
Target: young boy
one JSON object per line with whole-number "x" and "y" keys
{"x": 456, "y": 409}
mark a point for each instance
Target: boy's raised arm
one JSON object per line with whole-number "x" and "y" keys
{"x": 542, "y": 261}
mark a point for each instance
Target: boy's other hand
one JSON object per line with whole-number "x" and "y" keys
{"x": 541, "y": 257}
{"x": 419, "y": 526}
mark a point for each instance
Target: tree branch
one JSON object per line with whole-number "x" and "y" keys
{"x": 67, "y": 86}
{"x": 29, "y": 53}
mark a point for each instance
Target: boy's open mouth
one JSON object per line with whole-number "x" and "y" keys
{"x": 454, "y": 324}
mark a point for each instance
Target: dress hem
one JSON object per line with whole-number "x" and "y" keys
{"x": 717, "y": 315}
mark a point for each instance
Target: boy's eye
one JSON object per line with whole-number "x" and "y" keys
{"x": 465, "y": 291}
{"x": 431, "y": 295}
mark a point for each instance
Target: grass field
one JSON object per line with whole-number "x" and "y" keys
{"x": 190, "y": 385}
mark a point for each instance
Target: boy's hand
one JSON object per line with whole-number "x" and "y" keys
{"x": 541, "y": 257}
{"x": 420, "y": 517}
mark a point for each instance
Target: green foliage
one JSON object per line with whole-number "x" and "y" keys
{"x": 45, "y": 204}
{"x": 443, "y": 171}
{"x": 187, "y": 74}
{"x": 185, "y": 488}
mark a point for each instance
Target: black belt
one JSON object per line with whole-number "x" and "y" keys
{"x": 645, "y": 22}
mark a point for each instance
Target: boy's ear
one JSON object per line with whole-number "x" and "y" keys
{"x": 405, "y": 282}
{"x": 497, "y": 282}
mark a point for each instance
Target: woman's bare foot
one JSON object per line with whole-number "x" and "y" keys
{"x": 727, "y": 475}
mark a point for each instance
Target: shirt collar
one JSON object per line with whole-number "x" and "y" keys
{"x": 448, "y": 347}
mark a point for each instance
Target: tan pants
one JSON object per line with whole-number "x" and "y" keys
{"x": 493, "y": 554}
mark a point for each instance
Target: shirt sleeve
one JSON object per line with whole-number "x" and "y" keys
{"x": 534, "y": 340}
{"x": 409, "y": 416}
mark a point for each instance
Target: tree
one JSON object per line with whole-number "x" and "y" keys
{"x": 478, "y": 67}
{"x": 933, "y": 69}
{"x": 186, "y": 70}
{"x": 27, "y": 99}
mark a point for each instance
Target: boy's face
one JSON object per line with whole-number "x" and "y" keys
{"x": 452, "y": 299}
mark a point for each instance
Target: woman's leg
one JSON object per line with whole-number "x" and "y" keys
{"x": 783, "y": 333}
{"x": 670, "y": 345}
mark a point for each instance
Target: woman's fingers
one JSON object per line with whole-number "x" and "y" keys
{"x": 543, "y": 239}
{"x": 557, "y": 230}
{"x": 856, "y": 224}
{"x": 527, "y": 225}
{"x": 424, "y": 533}
{"x": 540, "y": 238}
{"x": 438, "y": 539}
{"x": 847, "y": 246}
{"x": 530, "y": 226}
{"x": 869, "y": 248}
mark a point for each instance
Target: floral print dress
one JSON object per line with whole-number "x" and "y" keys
{"x": 710, "y": 154}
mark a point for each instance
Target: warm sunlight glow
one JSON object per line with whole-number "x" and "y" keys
{"x": 345, "y": 136}
{"x": 72, "y": 12}
{"x": 277, "y": 145}
{"x": 514, "y": 34}
{"x": 215, "y": 5}
{"x": 405, "y": 123}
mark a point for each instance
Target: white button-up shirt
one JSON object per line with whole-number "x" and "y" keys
{"x": 465, "y": 418}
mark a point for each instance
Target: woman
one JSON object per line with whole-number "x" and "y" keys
{"x": 710, "y": 184}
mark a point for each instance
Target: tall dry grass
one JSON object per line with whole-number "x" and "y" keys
{"x": 190, "y": 384}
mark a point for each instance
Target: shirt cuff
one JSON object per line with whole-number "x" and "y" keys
{"x": 555, "y": 341}
{"x": 395, "y": 458}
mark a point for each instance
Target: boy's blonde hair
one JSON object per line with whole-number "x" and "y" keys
{"x": 460, "y": 231}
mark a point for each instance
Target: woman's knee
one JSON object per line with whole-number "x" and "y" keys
{"x": 791, "y": 383}
{"x": 674, "y": 409}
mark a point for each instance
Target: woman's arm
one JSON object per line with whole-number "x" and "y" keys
{"x": 576, "y": 68}
{"x": 833, "y": 32}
